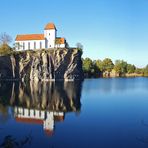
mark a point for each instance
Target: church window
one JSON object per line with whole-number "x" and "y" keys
{"x": 46, "y": 43}
{"x": 28, "y": 112}
{"x": 23, "y": 46}
{"x": 18, "y": 45}
{"x": 34, "y": 45}
{"x": 28, "y": 45}
{"x": 40, "y": 45}
{"x": 34, "y": 112}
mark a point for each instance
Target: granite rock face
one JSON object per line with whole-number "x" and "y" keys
{"x": 42, "y": 65}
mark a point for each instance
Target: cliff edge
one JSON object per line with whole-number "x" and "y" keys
{"x": 42, "y": 65}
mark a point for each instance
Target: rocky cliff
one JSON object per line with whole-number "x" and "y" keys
{"x": 42, "y": 65}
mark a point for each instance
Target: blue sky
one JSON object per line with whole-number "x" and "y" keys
{"x": 117, "y": 29}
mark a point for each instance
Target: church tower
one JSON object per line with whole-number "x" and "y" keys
{"x": 50, "y": 35}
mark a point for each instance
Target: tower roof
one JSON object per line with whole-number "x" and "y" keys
{"x": 50, "y": 26}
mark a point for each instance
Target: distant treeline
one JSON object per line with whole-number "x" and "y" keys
{"x": 106, "y": 68}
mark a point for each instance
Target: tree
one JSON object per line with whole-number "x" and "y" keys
{"x": 139, "y": 70}
{"x": 146, "y": 71}
{"x": 120, "y": 67}
{"x": 107, "y": 65}
{"x": 5, "y": 49}
{"x": 5, "y": 38}
{"x": 79, "y": 46}
{"x": 67, "y": 45}
{"x": 130, "y": 68}
{"x": 87, "y": 65}
{"x": 99, "y": 65}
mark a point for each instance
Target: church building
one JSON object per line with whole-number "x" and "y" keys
{"x": 48, "y": 40}
{"x": 36, "y": 116}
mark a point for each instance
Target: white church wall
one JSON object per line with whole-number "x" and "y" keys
{"x": 31, "y": 44}
{"x": 50, "y": 35}
{"x": 60, "y": 46}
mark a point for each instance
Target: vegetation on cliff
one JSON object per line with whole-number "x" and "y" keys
{"x": 5, "y": 49}
{"x": 5, "y": 39}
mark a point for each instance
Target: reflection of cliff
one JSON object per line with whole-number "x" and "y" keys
{"x": 51, "y": 96}
{"x": 42, "y": 103}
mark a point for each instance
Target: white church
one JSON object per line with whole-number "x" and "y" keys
{"x": 48, "y": 40}
{"x": 42, "y": 117}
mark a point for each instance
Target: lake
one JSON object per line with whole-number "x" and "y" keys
{"x": 105, "y": 113}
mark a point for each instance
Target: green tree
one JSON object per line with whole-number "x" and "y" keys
{"x": 87, "y": 65}
{"x": 107, "y": 65}
{"x": 130, "y": 68}
{"x": 139, "y": 70}
{"x": 96, "y": 69}
{"x": 120, "y": 67}
{"x": 146, "y": 71}
{"x": 99, "y": 65}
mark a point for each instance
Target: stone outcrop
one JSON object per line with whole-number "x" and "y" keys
{"x": 42, "y": 65}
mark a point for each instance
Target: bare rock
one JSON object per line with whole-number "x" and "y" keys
{"x": 42, "y": 65}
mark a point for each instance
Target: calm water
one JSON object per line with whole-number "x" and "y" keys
{"x": 105, "y": 113}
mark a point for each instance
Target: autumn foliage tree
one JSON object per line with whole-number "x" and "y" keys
{"x": 5, "y": 39}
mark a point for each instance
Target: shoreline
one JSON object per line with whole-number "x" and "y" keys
{"x": 43, "y": 80}
{"x": 66, "y": 80}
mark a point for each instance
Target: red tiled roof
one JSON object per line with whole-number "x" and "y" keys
{"x": 29, "y": 120}
{"x": 50, "y": 26}
{"x": 30, "y": 37}
{"x": 60, "y": 40}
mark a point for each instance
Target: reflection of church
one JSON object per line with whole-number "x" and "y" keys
{"x": 35, "y": 116}
{"x": 41, "y": 103}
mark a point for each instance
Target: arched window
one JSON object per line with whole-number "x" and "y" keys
{"x": 23, "y": 46}
{"x": 34, "y": 45}
{"x": 40, "y": 45}
{"x": 18, "y": 45}
{"x": 46, "y": 43}
{"x": 28, "y": 45}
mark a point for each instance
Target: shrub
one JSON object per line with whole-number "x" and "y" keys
{"x": 5, "y": 49}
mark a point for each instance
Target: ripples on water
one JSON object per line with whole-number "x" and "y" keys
{"x": 96, "y": 113}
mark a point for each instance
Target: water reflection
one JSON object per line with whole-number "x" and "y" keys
{"x": 39, "y": 103}
{"x": 117, "y": 85}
